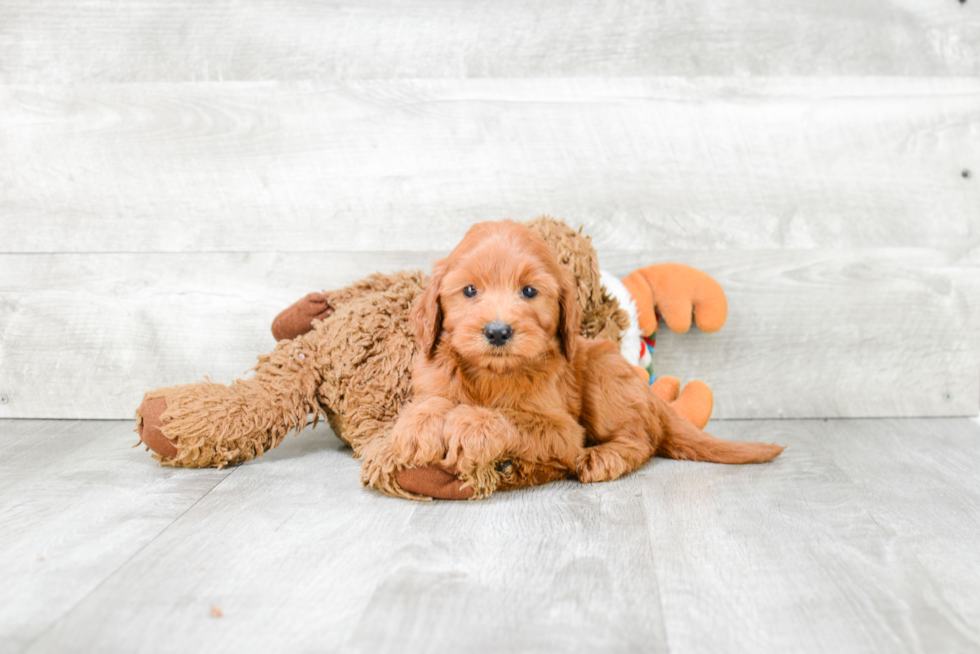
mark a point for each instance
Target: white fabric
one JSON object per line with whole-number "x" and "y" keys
{"x": 630, "y": 345}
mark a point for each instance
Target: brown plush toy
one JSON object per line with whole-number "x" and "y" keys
{"x": 346, "y": 355}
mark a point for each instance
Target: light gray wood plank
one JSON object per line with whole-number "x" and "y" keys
{"x": 562, "y": 568}
{"x": 76, "y": 502}
{"x": 290, "y": 549}
{"x": 822, "y": 333}
{"x": 861, "y": 537}
{"x": 407, "y": 164}
{"x": 62, "y": 41}
{"x": 298, "y": 556}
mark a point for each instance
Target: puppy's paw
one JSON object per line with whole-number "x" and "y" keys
{"x": 417, "y": 437}
{"x": 475, "y": 437}
{"x": 482, "y": 481}
{"x": 379, "y": 471}
{"x": 476, "y": 442}
{"x": 599, "y": 464}
{"x": 414, "y": 448}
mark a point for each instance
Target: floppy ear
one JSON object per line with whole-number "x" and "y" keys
{"x": 569, "y": 315}
{"x": 427, "y": 312}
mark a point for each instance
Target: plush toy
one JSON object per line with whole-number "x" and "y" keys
{"x": 346, "y": 355}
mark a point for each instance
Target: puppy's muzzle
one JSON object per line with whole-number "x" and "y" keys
{"x": 498, "y": 333}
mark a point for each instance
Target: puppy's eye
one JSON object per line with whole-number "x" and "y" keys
{"x": 469, "y": 291}
{"x": 529, "y": 292}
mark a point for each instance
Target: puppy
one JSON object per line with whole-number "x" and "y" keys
{"x": 505, "y": 386}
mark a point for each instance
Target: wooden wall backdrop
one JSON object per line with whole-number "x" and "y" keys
{"x": 173, "y": 174}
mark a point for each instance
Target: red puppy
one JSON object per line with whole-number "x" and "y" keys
{"x": 501, "y": 375}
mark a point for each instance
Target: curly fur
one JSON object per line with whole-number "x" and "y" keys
{"x": 546, "y": 397}
{"x": 354, "y": 368}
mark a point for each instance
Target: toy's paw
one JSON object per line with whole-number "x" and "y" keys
{"x": 667, "y": 388}
{"x": 436, "y": 481}
{"x": 676, "y": 292}
{"x": 695, "y": 403}
{"x": 298, "y": 318}
{"x": 441, "y": 482}
{"x": 149, "y": 426}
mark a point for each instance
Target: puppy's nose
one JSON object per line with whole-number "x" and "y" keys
{"x": 498, "y": 333}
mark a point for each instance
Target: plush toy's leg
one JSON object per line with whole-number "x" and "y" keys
{"x": 380, "y": 470}
{"x": 695, "y": 403}
{"x": 212, "y": 425}
{"x": 667, "y": 388}
{"x": 433, "y": 481}
{"x": 298, "y": 318}
{"x": 443, "y": 483}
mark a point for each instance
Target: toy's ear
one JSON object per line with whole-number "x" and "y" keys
{"x": 569, "y": 315}
{"x": 427, "y": 312}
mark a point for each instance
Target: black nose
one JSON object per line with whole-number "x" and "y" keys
{"x": 498, "y": 333}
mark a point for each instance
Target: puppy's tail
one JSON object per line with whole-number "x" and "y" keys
{"x": 682, "y": 440}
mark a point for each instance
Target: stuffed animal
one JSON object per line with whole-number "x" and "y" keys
{"x": 346, "y": 355}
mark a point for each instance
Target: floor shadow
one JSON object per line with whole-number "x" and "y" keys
{"x": 310, "y": 440}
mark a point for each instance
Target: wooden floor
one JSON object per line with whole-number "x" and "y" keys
{"x": 864, "y": 536}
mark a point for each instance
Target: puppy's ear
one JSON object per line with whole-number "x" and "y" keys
{"x": 427, "y": 312}
{"x": 569, "y": 315}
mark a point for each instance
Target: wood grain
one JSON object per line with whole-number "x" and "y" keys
{"x": 805, "y": 554}
{"x": 407, "y": 164}
{"x": 289, "y": 549}
{"x": 76, "y": 503}
{"x": 575, "y": 576}
{"x": 140, "y": 41}
{"x": 860, "y": 537}
{"x": 821, "y": 333}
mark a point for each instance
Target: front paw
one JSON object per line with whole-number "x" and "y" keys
{"x": 475, "y": 437}
{"x": 476, "y": 442}
{"x": 379, "y": 471}
{"x": 413, "y": 448}
{"x": 418, "y": 438}
{"x": 598, "y": 464}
